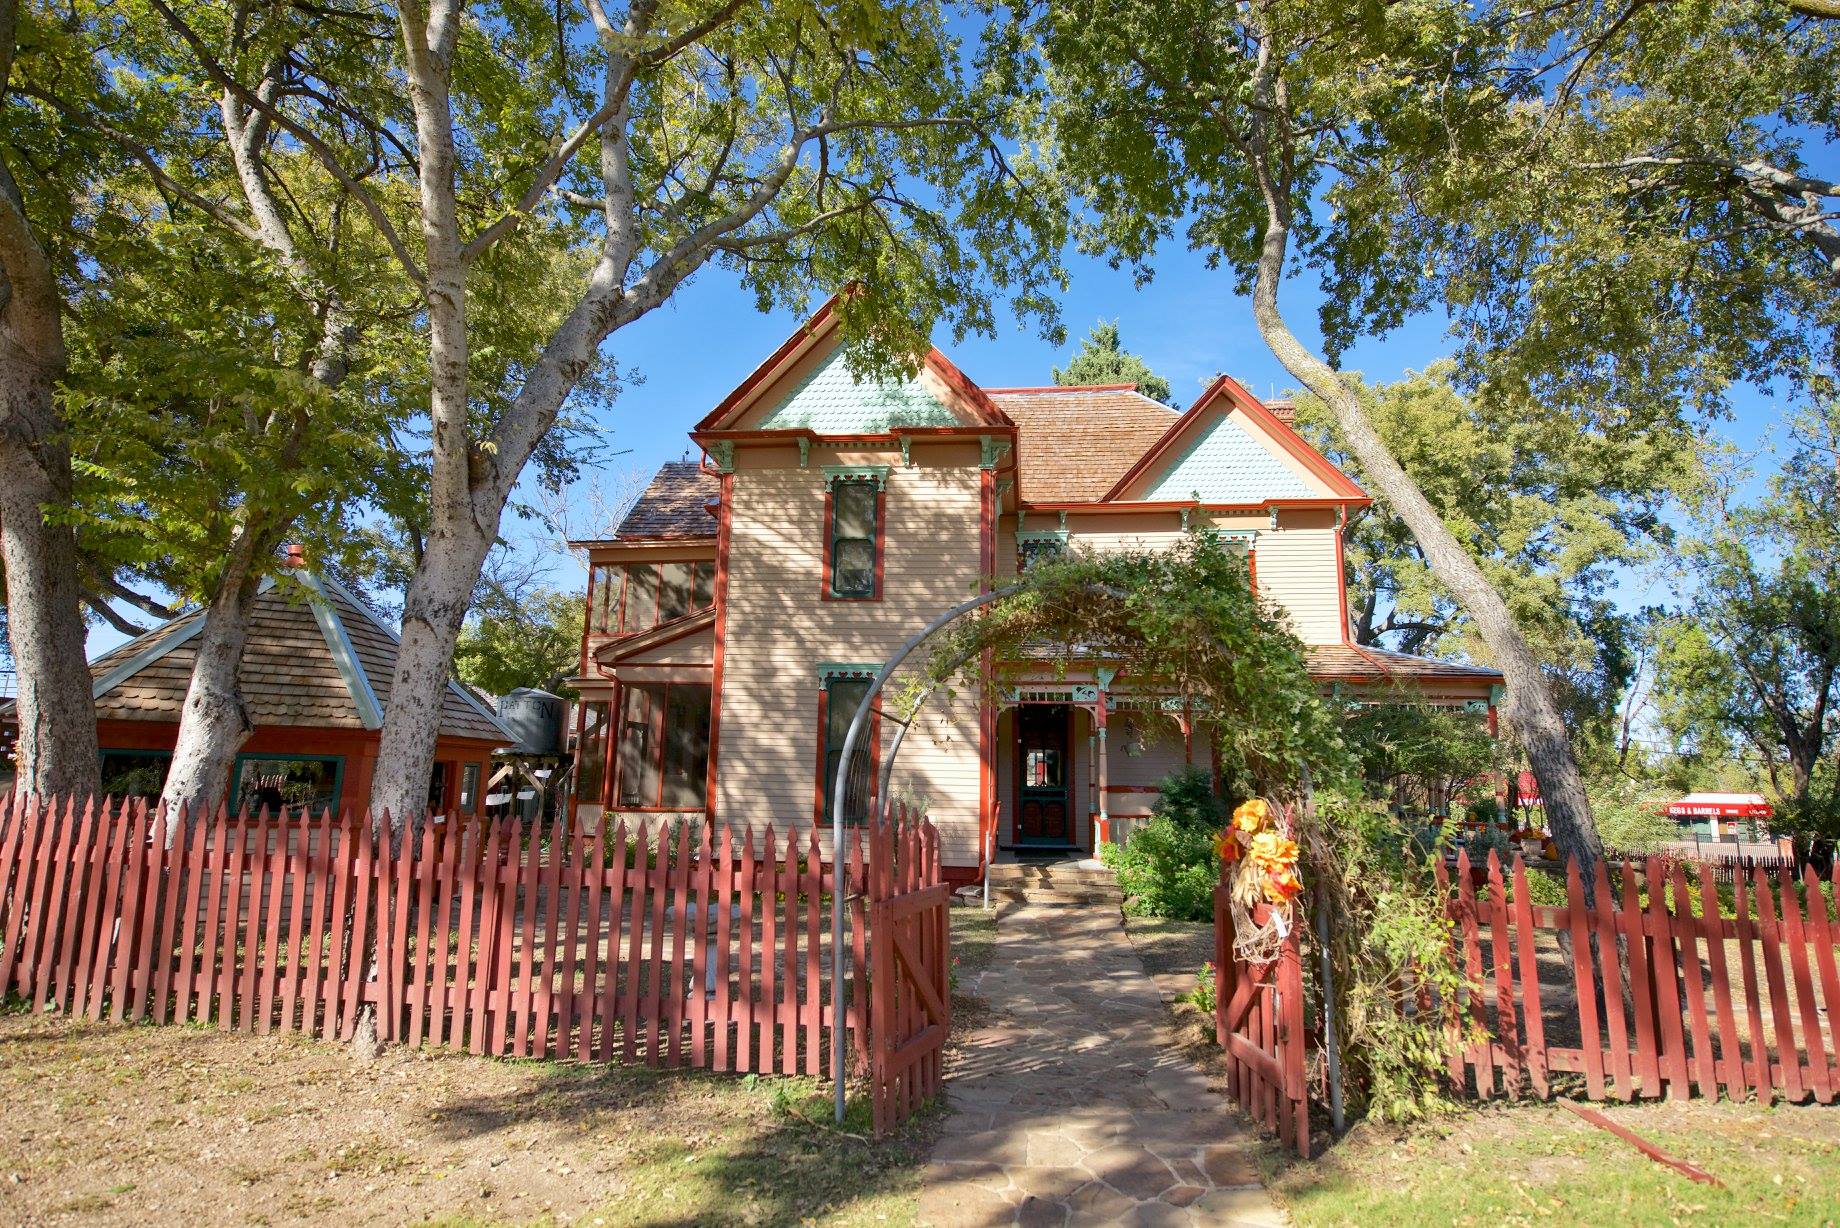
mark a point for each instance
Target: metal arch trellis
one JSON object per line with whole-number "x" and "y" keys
{"x": 839, "y": 791}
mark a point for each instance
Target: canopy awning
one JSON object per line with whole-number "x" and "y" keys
{"x": 1720, "y": 806}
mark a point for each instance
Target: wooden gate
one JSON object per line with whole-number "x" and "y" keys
{"x": 1259, "y": 1021}
{"x": 910, "y": 993}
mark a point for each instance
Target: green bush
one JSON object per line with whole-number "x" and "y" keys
{"x": 1630, "y": 817}
{"x": 1168, "y": 868}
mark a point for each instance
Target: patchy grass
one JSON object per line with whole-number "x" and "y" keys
{"x": 168, "y": 1126}
{"x": 1538, "y": 1163}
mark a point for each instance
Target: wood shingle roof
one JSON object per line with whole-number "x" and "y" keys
{"x": 316, "y": 655}
{"x": 1074, "y": 443}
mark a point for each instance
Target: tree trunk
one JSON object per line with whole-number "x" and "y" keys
{"x": 433, "y": 608}
{"x": 55, "y": 708}
{"x": 1530, "y": 708}
{"x": 214, "y": 721}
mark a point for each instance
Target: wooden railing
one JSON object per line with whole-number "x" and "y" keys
{"x": 670, "y": 945}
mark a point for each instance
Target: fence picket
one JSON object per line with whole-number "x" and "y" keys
{"x": 1689, "y": 929}
{"x": 612, "y": 1002}
{"x": 1791, "y": 1062}
{"x": 147, "y": 929}
{"x": 1584, "y": 982}
{"x": 699, "y": 992}
{"x": 588, "y": 859}
{"x": 1646, "y": 1054}
{"x": 722, "y": 899}
{"x": 20, "y": 851}
{"x": 788, "y": 1013}
{"x": 815, "y": 1060}
{"x": 1665, "y": 977}
{"x": 1506, "y": 1027}
{"x": 769, "y": 954}
{"x": 250, "y": 988}
{"x": 638, "y": 878}
{"x": 744, "y": 959}
{"x": 676, "y": 993}
{"x": 657, "y": 888}
{"x": 1731, "y": 1056}
{"x": 178, "y": 861}
{"x": 102, "y": 877}
{"x": 1610, "y": 956}
{"x": 1526, "y": 939}
{"x": 1762, "y": 1079}
{"x": 1819, "y": 1081}
{"x": 569, "y": 1002}
{"x": 1821, "y": 932}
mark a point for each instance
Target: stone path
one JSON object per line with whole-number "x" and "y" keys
{"x": 1072, "y": 1104}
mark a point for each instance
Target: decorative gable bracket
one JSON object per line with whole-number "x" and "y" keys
{"x": 992, "y": 451}
{"x": 722, "y": 452}
{"x": 834, "y": 474}
{"x": 828, "y": 670}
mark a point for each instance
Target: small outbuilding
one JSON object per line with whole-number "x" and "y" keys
{"x": 315, "y": 677}
{"x": 1723, "y": 817}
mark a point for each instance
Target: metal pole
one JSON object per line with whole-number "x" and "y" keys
{"x": 850, "y": 739}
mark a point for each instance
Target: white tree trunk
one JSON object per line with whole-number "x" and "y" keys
{"x": 1530, "y": 708}
{"x": 214, "y": 721}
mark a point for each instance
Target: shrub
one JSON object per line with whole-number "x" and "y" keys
{"x": 1167, "y": 869}
{"x": 1630, "y": 818}
{"x": 1202, "y": 996}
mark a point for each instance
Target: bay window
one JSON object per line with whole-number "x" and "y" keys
{"x": 633, "y": 597}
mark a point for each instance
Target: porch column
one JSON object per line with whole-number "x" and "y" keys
{"x": 1105, "y": 677}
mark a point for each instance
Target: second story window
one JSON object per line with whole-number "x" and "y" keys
{"x": 854, "y": 561}
{"x": 632, "y": 597}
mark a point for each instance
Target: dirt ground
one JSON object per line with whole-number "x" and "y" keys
{"x": 187, "y": 1125}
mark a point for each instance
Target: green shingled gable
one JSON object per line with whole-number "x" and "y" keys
{"x": 831, "y": 402}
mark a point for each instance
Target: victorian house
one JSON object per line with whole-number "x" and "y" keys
{"x": 739, "y": 611}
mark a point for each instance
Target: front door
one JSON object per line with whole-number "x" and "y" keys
{"x": 1043, "y": 813}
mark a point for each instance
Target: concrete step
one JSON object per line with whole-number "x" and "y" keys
{"x": 1049, "y": 874}
{"x": 1087, "y": 897}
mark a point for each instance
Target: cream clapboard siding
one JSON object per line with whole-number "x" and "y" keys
{"x": 1300, "y": 569}
{"x": 779, "y": 629}
{"x": 1144, "y": 753}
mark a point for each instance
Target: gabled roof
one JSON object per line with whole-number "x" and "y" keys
{"x": 1074, "y": 443}
{"x": 1222, "y": 447}
{"x": 317, "y": 655}
{"x": 675, "y": 503}
{"x": 805, "y": 386}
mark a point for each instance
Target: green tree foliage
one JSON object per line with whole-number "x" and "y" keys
{"x": 1102, "y": 359}
{"x": 534, "y": 641}
{"x": 1750, "y": 666}
{"x": 1166, "y": 869}
{"x": 1550, "y": 511}
{"x": 1650, "y": 220}
{"x": 1418, "y": 757}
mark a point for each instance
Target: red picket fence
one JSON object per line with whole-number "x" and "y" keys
{"x": 1259, "y": 1022}
{"x": 666, "y": 945}
{"x": 1660, "y": 999}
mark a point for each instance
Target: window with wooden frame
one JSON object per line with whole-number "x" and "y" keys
{"x": 838, "y": 702}
{"x": 633, "y": 597}
{"x": 853, "y": 527}
{"x": 663, "y": 747}
{"x": 591, "y": 754}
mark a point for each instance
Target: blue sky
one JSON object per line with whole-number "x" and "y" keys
{"x": 1187, "y": 323}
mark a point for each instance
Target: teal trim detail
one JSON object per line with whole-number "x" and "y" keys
{"x": 1105, "y": 674}
{"x": 722, "y": 452}
{"x": 991, "y": 450}
{"x": 1242, "y": 537}
{"x": 907, "y": 451}
{"x": 1025, "y": 536}
{"x": 804, "y": 453}
{"x": 831, "y": 401}
{"x": 828, "y": 670}
{"x": 1478, "y": 706}
{"x": 1497, "y": 693}
{"x": 856, "y": 473}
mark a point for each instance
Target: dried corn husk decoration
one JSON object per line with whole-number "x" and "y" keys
{"x": 1259, "y": 863}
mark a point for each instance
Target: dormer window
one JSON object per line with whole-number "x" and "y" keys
{"x": 633, "y": 597}
{"x": 854, "y": 508}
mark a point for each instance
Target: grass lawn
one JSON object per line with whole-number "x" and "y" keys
{"x": 1537, "y": 1162}
{"x": 185, "y": 1125}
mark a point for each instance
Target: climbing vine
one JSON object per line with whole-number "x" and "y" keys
{"x": 1184, "y": 624}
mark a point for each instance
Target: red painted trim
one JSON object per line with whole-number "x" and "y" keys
{"x": 830, "y": 545}
{"x": 1279, "y": 430}
{"x": 587, "y": 621}
{"x": 615, "y": 646}
{"x": 1133, "y": 789}
{"x": 724, "y": 531}
{"x": 955, "y": 379}
{"x": 987, "y": 708}
{"x": 1252, "y": 568}
{"x": 893, "y": 435}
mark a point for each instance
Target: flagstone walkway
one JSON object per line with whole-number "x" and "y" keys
{"x": 1072, "y": 1104}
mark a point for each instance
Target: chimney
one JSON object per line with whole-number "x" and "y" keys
{"x": 1283, "y": 410}
{"x": 296, "y": 555}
